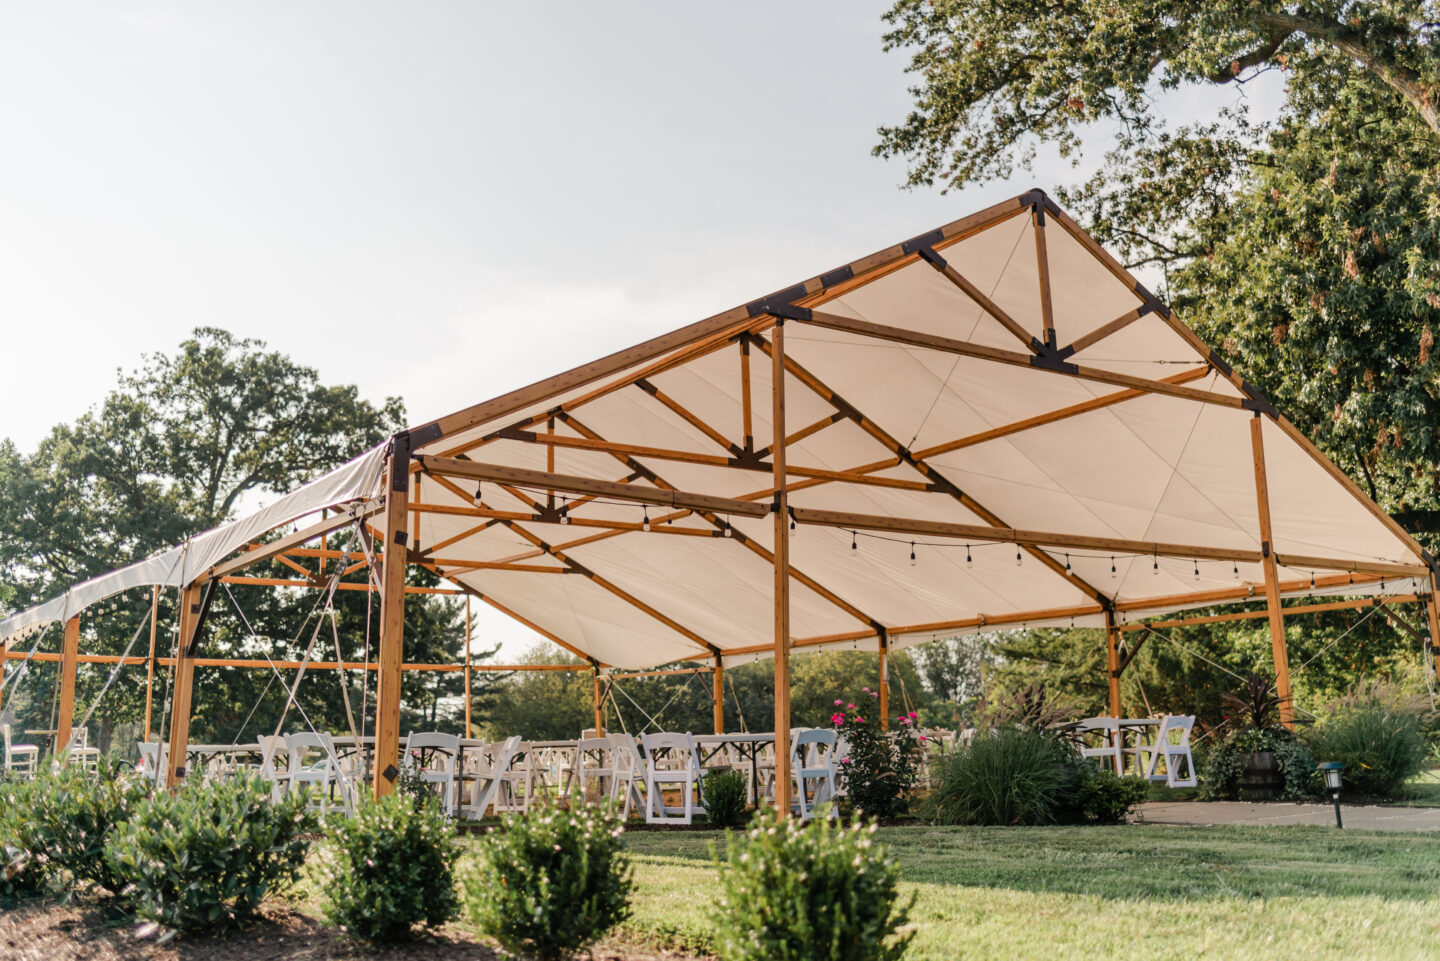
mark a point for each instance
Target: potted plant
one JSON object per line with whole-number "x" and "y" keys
{"x": 1261, "y": 761}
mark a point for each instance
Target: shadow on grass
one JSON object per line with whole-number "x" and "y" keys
{"x": 1140, "y": 863}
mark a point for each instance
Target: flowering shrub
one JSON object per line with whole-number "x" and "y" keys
{"x": 391, "y": 868}
{"x": 793, "y": 892}
{"x": 879, "y": 770}
{"x": 207, "y": 856}
{"x": 551, "y": 881}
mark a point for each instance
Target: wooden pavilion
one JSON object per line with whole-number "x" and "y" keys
{"x": 991, "y": 425}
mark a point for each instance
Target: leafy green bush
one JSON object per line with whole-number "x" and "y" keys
{"x": 1379, "y": 735}
{"x": 724, "y": 795}
{"x": 878, "y": 770}
{"x": 1010, "y": 776}
{"x": 391, "y": 867}
{"x": 72, "y": 815}
{"x": 1104, "y": 797}
{"x": 793, "y": 892}
{"x": 24, "y": 866}
{"x": 206, "y": 856}
{"x": 551, "y": 881}
{"x": 1225, "y": 764}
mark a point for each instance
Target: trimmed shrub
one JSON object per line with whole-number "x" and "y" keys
{"x": 391, "y": 868}
{"x": 724, "y": 794}
{"x": 551, "y": 881}
{"x": 879, "y": 770}
{"x": 23, "y": 865}
{"x": 206, "y": 856}
{"x": 1379, "y": 736}
{"x": 73, "y": 814}
{"x": 793, "y": 892}
{"x": 1009, "y": 776}
{"x": 1104, "y": 797}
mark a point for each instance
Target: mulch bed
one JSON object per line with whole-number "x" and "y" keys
{"x": 52, "y": 931}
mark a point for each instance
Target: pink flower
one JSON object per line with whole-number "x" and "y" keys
{"x": 844, "y": 760}
{"x": 859, "y": 719}
{"x": 912, "y": 715}
{"x": 906, "y": 721}
{"x": 837, "y": 719}
{"x": 924, "y": 738}
{"x": 874, "y": 693}
{"x": 839, "y": 701}
{"x": 865, "y": 689}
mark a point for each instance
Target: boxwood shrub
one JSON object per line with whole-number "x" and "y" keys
{"x": 73, "y": 814}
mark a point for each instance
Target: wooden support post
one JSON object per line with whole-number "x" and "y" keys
{"x": 1432, "y": 613}
{"x": 719, "y": 695}
{"x": 467, "y": 666}
{"x": 392, "y": 617}
{"x": 1272, "y": 579}
{"x": 150, "y": 661}
{"x": 884, "y": 683}
{"x": 781, "y": 507}
{"x": 1112, "y": 662}
{"x": 68, "y": 654}
{"x": 180, "y": 695}
{"x": 599, "y": 707}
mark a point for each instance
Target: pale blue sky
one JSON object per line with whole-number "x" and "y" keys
{"x": 513, "y": 189}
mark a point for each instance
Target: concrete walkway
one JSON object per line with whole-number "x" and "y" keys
{"x": 1358, "y": 817}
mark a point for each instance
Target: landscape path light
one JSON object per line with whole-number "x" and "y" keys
{"x": 1331, "y": 770}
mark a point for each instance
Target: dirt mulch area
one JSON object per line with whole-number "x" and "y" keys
{"x": 50, "y": 931}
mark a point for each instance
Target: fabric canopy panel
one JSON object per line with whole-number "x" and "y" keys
{"x": 988, "y": 426}
{"x": 1001, "y": 372}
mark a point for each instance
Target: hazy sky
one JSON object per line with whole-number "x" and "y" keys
{"x": 441, "y": 201}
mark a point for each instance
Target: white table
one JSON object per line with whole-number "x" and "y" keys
{"x": 749, "y": 746}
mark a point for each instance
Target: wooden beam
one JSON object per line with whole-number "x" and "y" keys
{"x": 1341, "y": 564}
{"x": 689, "y": 416}
{"x": 1114, "y": 326}
{"x": 884, "y": 683}
{"x": 1265, "y": 613}
{"x": 782, "y": 575}
{"x": 863, "y": 328}
{"x": 392, "y": 617}
{"x": 1244, "y": 591}
{"x": 587, "y": 485}
{"x": 974, "y": 293}
{"x": 1432, "y": 615}
{"x": 342, "y": 586}
{"x": 260, "y": 552}
{"x": 183, "y": 685}
{"x": 69, "y": 650}
{"x": 1272, "y": 579}
{"x": 667, "y": 672}
{"x": 747, "y": 426}
{"x": 1042, "y": 262}
{"x": 468, "y": 638}
{"x": 150, "y": 661}
{"x": 718, "y": 695}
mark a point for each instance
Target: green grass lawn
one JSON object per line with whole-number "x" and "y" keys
{"x": 1124, "y": 892}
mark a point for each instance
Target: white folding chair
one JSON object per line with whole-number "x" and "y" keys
{"x": 594, "y": 762}
{"x": 812, "y": 754}
{"x": 627, "y": 773}
{"x": 78, "y": 750}
{"x": 314, "y": 764}
{"x": 670, "y": 759}
{"x": 837, "y": 766}
{"x": 439, "y": 767}
{"x": 1108, "y": 729}
{"x": 154, "y": 759}
{"x": 20, "y": 759}
{"x": 275, "y": 764}
{"x": 1172, "y": 745}
{"x": 486, "y": 771}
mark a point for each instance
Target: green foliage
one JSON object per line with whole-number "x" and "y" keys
{"x": 1225, "y": 763}
{"x": 391, "y": 868}
{"x": 879, "y": 770}
{"x": 73, "y": 815}
{"x": 724, "y": 795}
{"x": 551, "y": 881}
{"x": 206, "y": 856}
{"x": 1008, "y": 776}
{"x": 821, "y": 890}
{"x": 1104, "y": 797}
{"x": 24, "y": 866}
{"x": 1379, "y": 737}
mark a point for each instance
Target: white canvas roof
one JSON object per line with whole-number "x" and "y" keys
{"x": 997, "y": 388}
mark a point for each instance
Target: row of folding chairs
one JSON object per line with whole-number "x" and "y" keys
{"x": 1165, "y": 744}
{"x": 23, "y": 760}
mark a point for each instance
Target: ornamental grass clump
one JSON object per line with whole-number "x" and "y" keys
{"x": 207, "y": 856}
{"x": 802, "y": 892}
{"x": 1010, "y": 776}
{"x": 391, "y": 869}
{"x": 551, "y": 881}
{"x": 1378, "y": 733}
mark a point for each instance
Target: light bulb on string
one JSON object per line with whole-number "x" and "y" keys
{"x": 564, "y": 511}
{"x": 1112, "y": 567}
{"x": 479, "y": 495}
{"x": 1237, "y": 569}
{"x": 645, "y": 524}
{"x": 1197, "y": 569}
{"x": 969, "y": 562}
{"x": 1067, "y": 563}
{"x": 1017, "y": 557}
{"x": 729, "y": 528}
{"x": 1155, "y": 566}
{"x": 792, "y": 520}
{"x": 1312, "y": 580}
{"x": 912, "y": 553}
{"x": 854, "y": 543}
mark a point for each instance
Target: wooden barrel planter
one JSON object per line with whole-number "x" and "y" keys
{"x": 1262, "y": 779}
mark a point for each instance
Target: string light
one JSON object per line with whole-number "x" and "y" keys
{"x": 480, "y": 494}
{"x": 792, "y": 519}
{"x": 854, "y": 543}
{"x": 564, "y": 511}
{"x": 912, "y": 553}
{"x": 1312, "y": 580}
{"x": 1155, "y": 567}
{"x": 1237, "y": 569}
{"x": 969, "y": 563}
{"x": 1017, "y": 557}
{"x": 1197, "y": 569}
{"x": 645, "y": 524}
{"x": 1067, "y": 563}
{"x": 729, "y": 528}
{"x": 1112, "y": 567}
